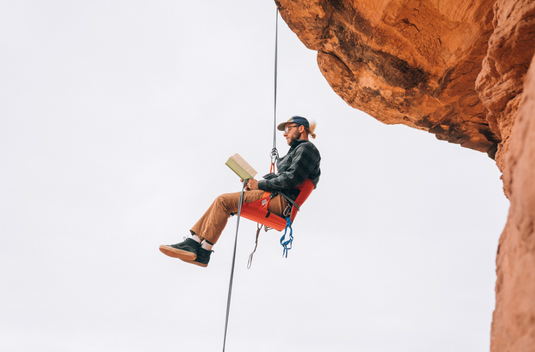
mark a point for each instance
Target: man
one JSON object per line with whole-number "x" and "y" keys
{"x": 301, "y": 162}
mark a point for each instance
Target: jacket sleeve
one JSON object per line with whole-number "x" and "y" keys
{"x": 305, "y": 158}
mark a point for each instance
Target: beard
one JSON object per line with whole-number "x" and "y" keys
{"x": 291, "y": 137}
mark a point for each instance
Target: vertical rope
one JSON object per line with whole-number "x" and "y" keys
{"x": 233, "y": 262}
{"x": 274, "y": 152}
{"x": 274, "y": 156}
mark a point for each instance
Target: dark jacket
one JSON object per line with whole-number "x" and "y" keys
{"x": 301, "y": 162}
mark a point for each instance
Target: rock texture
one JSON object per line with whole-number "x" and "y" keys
{"x": 513, "y": 327}
{"x": 457, "y": 69}
{"x": 511, "y": 47}
{"x": 411, "y": 62}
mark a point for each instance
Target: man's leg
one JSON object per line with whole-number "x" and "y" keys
{"x": 206, "y": 232}
{"x": 211, "y": 224}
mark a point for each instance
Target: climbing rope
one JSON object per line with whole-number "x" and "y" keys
{"x": 274, "y": 152}
{"x": 274, "y": 157}
{"x": 233, "y": 262}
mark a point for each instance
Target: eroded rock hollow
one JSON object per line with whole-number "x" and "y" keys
{"x": 457, "y": 69}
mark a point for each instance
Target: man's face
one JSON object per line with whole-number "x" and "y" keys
{"x": 291, "y": 133}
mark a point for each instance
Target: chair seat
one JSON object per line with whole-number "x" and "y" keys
{"x": 258, "y": 210}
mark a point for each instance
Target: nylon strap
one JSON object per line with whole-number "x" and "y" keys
{"x": 250, "y": 262}
{"x": 289, "y": 200}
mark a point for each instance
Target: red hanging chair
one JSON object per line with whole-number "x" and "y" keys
{"x": 258, "y": 210}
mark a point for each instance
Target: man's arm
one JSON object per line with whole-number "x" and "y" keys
{"x": 305, "y": 159}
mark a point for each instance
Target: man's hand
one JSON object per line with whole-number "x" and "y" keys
{"x": 252, "y": 185}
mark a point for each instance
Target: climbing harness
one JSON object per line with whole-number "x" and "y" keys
{"x": 259, "y": 211}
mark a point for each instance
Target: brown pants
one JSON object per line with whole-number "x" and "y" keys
{"x": 211, "y": 224}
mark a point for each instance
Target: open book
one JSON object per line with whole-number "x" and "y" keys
{"x": 240, "y": 167}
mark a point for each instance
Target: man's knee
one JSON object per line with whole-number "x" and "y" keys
{"x": 227, "y": 201}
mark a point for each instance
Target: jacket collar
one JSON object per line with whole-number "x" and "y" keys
{"x": 296, "y": 142}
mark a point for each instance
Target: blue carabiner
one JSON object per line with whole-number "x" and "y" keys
{"x": 287, "y": 245}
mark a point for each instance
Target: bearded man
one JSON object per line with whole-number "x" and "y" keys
{"x": 301, "y": 162}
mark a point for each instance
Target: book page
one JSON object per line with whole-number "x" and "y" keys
{"x": 240, "y": 161}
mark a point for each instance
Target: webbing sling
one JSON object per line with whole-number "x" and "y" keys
{"x": 258, "y": 229}
{"x": 287, "y": 245}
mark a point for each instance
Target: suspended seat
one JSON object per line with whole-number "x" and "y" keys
{"x": 258, "y": 210}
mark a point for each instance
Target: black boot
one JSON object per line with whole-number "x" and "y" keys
{"x": 186, "y": 250}
{"x": 203, "y": 257}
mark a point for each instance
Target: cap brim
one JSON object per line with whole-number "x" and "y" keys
{"x": 282, "y": 126}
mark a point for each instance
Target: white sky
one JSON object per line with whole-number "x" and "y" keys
{"x": 116, "y": 120}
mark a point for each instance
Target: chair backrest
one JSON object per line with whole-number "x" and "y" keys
{"x": 305, "y": 189}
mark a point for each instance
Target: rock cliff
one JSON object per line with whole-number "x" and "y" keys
{"x": 457, "y": 69}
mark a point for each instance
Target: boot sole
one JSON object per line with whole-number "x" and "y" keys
{"x": 178, "y": 253}
{"x": 194, "y": 262}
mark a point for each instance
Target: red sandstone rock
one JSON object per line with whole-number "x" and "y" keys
{"x": 458, "y": 69}
{"x": 511, "y": 48}
{"x": 404, "y": 62}
{"x": 513, "y": 327}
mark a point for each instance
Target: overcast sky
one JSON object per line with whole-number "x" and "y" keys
{"x": 116, "y": 119}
